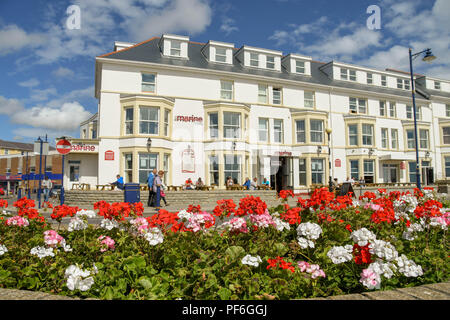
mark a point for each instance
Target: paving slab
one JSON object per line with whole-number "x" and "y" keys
{"x": 389, "y": 295}
{"x": 353, "y": 296}
{"x": 424, "y": 293}
{"x": 442, "y": 287}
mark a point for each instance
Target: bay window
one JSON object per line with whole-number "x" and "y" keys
{"x": 129, "y": 124}
{"x": 149, "y": 120}
{"x": 231, "y": 125}
{"x": 316, "y": 130}
{"x": 233, "y": 167}
{"x": 300, "y": 129}
{"x": 367, "y": 134}
{"x": 317, "y": 171}
{"x": 213, "y": 125}
{"x": 353, "y": 134}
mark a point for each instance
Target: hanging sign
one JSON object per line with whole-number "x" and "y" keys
{"x": 63, "y": 146}
{"x": 188, "y": 160}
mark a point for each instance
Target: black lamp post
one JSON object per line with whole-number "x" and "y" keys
{"x": 427, "y": 58}
{"x": 149, "y": 144}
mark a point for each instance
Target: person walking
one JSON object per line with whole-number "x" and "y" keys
{"x": 163, "y": 193}
{"x": 157, "y": 182}
{"x": 47, "y": 185}
{"x": 151, "y": 194}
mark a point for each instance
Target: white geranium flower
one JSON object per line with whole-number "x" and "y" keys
{"x": 362, "y": 236}
{"x": 340, "y": 254}
{"x": 78, "y": 278}
{"x": 86, "y": 213}
{"x": 3, "y": 249}
{"x": 281, "y": 225}
{"x": 408, "y": 267}
{"x": 76, "y": 223}
{"x": 383, "y": 269}
{"x": 305, "y": 243}
{"x": 309, "y": 230}
{"x": 184, "y": 215}
{"x": 383, "y": 250}
{"x": 251, "y": 261}
{"x": 154, "y": 236}
{"x": 42, "y": 252}
{"x": 109, "y": 224}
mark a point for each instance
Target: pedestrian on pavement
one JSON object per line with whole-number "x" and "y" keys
{"x": 151, "y": 194}
{"x": 157, "y": 182}
{"x": 47, "y": 185}
{"x": 163, "y": 194}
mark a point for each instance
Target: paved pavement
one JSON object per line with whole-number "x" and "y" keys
{"x": 438, "y": 291}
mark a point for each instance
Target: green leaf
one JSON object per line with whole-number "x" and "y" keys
{"x": 145, "y": 283}
{"x": 224, "y": 293}
{"x": 234, "y": 252}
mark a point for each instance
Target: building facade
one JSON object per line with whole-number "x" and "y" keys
{"x": 215, "y": 111}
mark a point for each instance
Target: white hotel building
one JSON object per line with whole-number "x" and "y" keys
{"x": 212, "y": 111}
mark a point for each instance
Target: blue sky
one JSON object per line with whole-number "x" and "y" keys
{"x": 48, "y": 70}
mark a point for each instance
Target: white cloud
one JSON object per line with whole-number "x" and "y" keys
{"x": 13, "y": 38}
{"x": 228, "y": 26}
{"x": 101, "y": 22}
{"x": 67, "y": 117}
{"x": 42, "y": 94}
{"x": 33, "y": 82}
{"x": 9, "y": 106}
{"x": 62, "y": 72}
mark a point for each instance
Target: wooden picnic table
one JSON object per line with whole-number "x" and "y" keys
{"x": 264, "y": 187}
{"x": 103, "y": 187}
{"x": 143, "y": 188}
{"x": 174, "y": 188}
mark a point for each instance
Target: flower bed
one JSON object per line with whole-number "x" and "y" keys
{"x": 323, "y": 246}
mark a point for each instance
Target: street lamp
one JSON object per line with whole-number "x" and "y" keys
{"x": 371, "y": 152}
{"x": 149, "y": 144}
{"x": 427, "y": 58}
{"x": 330, "y": 180}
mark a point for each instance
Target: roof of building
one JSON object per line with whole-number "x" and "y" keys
{"x": 21, "y": 146}
{"x": 149, "y": 52}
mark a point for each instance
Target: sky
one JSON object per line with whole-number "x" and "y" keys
{"x": 48, "y": 69}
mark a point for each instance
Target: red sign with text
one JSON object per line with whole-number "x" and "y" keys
{"x": 109, "y": 155}
{"x": 337, "y": 163}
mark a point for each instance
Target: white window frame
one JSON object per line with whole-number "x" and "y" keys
{"x": 366, "y": 136}
{"x": 175, "y": 48}
{"x": 129, "y": 123}
{"x": 384, "y": 81}
{"x": 148, "y": 120}
{"x": 352, "y": 75}
{"x": 166, "y": 122}
{"x": 309, "y": 102}
{"x": 225, "y": 92}
{"x": 264, "y": 130}
{"x": 344, "y": 74}
{"x": 262, "y": 97}
{"x": 254, "y": 62}
{"x": 316, "y": 133}
{"x": 437, "y": 85}
{"x": 221, "y": 55}
{"x": 384, "y": 138}
{"x": 383, "y": 111}
{"x": 278, "y": 131}
{"x": 300, "y": 67}
{"x": 213, "y": 128}
{"x": 236, "y": 127}
{"x": 270, "y": 64}
{"x": 353, "y": 135}
{"x": 394, "y": 139}
{"x": 369, "y": 78}
{"x": 424, "y": 143}
{"x": 148, "y": 83}
{"x": 301, "y": 132}
{"x": 278, "y": 101}
{"x": 446, "y": 136}
{"x": 392, "y": 109}
{"x": 410, "y": 141}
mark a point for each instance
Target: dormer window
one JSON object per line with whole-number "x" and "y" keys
{"x": 344, "y": 74}
{"x": 369, "y": 78}
{"x": 437, "y": 85}
{"x": 221, "y": 55}
{"x": 347, "y": 74}
{"x": 270, "y": 62}
{"x": 254, "y": 59}
{"x": 384, "y": 81}
{"x": 403, "y": 84}
{"x": 175, "y": 48}
{"x": 300, "y": 66}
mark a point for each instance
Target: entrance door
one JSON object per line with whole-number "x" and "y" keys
{"x": 282, "y": 179}
{"x": 427, "y": 173}
{"x": 390, "y": 173}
